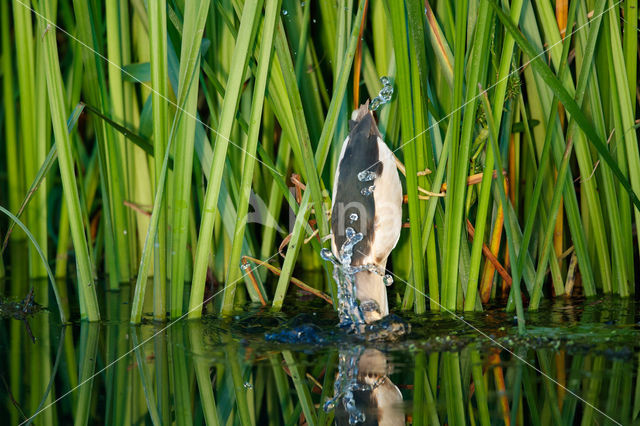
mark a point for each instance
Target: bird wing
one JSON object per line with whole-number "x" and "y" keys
{"x": 388, "y": 204}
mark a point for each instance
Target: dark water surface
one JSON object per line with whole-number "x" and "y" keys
{"x": 577, "y": 364}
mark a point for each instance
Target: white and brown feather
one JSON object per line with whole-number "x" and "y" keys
{"x": 379, "y": 215}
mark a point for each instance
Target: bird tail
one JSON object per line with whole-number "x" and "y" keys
{"x": 360, "y": 113}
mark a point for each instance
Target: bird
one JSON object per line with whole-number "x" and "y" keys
{"x": 377, "y": 398}
{"x": 367, "y": 197}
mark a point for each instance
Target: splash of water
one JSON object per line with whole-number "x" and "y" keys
{"x": 368, "y": 190}
{"x": 346, "y": 384}
{"x": 350, "y": 311}
{"x": 366, "y": 176}
{"x": 384, "y": 96}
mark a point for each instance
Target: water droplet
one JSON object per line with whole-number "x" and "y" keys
{"x": 353, "y": 217}
{"x": 349, "y": 232}
{"x": 329, "y": 405}
{"x": 386, "y": 93}
{"x": 356, "y": 418}
{"x": 285, "y": 12}
{"x": 384, "y": 96}
{"x": 314, "y": 20}
{"x": 124, "y": 232}
{"x": 387, "y": 280}
{"x": 375, "y": 104}
{"x": 328, "y": 255}
{"x": 244, "y": 266}
{"x": 368, "y": 190}
{"x": 366, "y": 176}
{"x": 248, "y": 385}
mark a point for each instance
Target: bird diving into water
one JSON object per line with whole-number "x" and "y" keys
{"x": 367, "y": 200}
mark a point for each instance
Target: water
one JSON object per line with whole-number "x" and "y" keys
{"x": 368, "y": 190}
{"x": 351, "y": 311}
{"x": 387, "y": 280}
{"x": 384, "y": 96}
{"x": 180, "y": 373}
{"x": 346, "y": 384}
{"x": 366, "y": 176}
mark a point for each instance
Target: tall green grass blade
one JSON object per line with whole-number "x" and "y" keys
{"x": 302, "y": 140}
{"x": 229, "y": 106}
{"x": 180, "y": 379}
{"x": 163, "y": 387}
{"x": 508, "y": 222}
{"x": 116, "y": 246}
{"x": 405, "y": 98}
{"x": 86, "y": 286}
{"x": 297, "y": 375}
{"x": 42, "y": 172}
{"x": 160, "y": 108}
{"x": 122, "y": 178}
{"x": 551, "y": 123}
{"x": 12, "y": 152}
{"x": 569, "y": 103}
{"x": 630, "y": 45}
{"x": 89, "y": 334}
{"x": 184, "y": 123}
{"x": 452, "y": 383}
{"x": 201, "y": 366}
{"x": 235, "y": 371}
{"x": 249, "y": 158}
{"x": 147, "y": 251}
{"x": 485, "y": 187}
{"x": 592, "y": 204}
{"x": 609, "y": 192}
{"x": 33, "y": 123}
{"x": 480, "y": 392}
{"x": 548, "y": 235}
{"x": 424, "y": 151}
{"x": 282, "y": 386}
{"x": 147, "y": 382}
{"x": 545, "y": 365}
{"x": 626, "y": 103}
{"x": 47, "y": 396}
{"x": 320, "y": 158}
{"x": 458, "y": 169}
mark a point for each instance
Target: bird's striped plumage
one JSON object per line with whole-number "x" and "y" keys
{"x": 378, "y": 216}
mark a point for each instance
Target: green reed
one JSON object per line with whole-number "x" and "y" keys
{"x": 212, "y": 377}
{"x": 197, "y": 109}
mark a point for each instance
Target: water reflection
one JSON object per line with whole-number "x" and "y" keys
{"x": 215, "y": 372}
{"x": 363, "y": 391}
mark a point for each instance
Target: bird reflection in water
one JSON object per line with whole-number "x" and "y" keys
{"x": 363, "y": 392}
